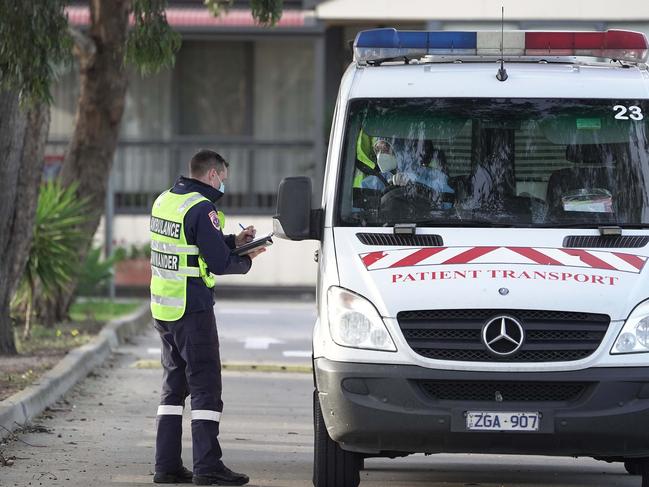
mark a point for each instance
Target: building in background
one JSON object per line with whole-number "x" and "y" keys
{"x": 249, "y": 92}
{"x": 264, "y": 97}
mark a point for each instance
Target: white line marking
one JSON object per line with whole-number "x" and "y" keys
{"x": 259, "y": 343}
{"x": 242, "y": 311}
{"x": 153, "y": 351}
{"x": 296, "y": 353}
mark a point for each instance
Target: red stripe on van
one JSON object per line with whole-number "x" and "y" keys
{"x": 372, "y": 257}
{"x": 633, "y": 260}
{"x": 535, "y": 255}
{"x": 589, "y": 259}
{"x": 468, "y": 255}
{"x": 416, "y": 257}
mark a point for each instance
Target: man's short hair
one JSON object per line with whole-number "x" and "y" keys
{"x": 203, "y": 161}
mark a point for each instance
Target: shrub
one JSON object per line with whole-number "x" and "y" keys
{"x": 52, "y": 257}
{"x": 96, "y": 273}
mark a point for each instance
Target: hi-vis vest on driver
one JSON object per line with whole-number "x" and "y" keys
{"x": 365, "y": 159}
{"x": 169, "y": 253}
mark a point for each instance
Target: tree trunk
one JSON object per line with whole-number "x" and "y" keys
{"x": 22, "y": 143}
{"x": 27, "y": 332}
{"x": 103, "y": 83}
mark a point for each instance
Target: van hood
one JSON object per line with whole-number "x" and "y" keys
{"x": 494, "y": 268}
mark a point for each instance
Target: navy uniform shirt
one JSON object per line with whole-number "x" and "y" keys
{"x": 202, "y": 229}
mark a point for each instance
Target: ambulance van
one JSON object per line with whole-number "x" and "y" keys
{"x": 483, "y": 284}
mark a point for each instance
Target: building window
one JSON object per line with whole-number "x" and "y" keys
{"x": 214, "y": 88}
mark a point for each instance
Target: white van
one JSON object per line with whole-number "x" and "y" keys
{"x": 484, "y": 235}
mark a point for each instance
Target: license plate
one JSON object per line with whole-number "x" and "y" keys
{"x": 502, "y": 421}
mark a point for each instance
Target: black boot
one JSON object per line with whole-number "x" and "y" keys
{"x": 182, "y": 476}
{"x": 222, "y": 477}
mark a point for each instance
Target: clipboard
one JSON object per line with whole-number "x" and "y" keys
{"x": 245, "y": 249}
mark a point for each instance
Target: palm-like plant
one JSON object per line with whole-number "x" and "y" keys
{"x": 53, "y": 259}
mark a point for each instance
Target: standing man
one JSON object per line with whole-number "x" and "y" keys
{"x": 188, "y": 249}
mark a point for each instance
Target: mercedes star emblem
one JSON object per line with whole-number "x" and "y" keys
{"x": 503, "y": 335}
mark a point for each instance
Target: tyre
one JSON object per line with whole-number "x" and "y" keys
{"x": 643, "y": 466}
{"x": 633, "y": 467}
{"x": 332, "y": 466}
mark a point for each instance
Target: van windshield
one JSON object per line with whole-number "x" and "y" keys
{"x": 476, "y": 161}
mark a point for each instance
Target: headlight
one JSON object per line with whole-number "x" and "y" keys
{"x": 354, "y": 322}
{"x": 634, "y": 336}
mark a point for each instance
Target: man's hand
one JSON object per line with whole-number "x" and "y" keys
{"x": 255, "y": 253}
{"x": 247, "y": 235}
{"x": 401, "y": 179}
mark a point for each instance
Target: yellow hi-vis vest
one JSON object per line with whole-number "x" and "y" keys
{"x": 364, "y": 156}
{"x": 169, "y": 252}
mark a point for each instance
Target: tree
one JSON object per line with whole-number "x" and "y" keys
{"x": 150, "y": 45}
{"x": 32, "y": 36}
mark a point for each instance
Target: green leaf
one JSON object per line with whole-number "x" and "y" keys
{"x": 217, "y": 7}
{"x": 96, "y": 272}
{"x": 33, "y": 38}
{"x": 267, "y": 12}
{"x": 152, "y": 44}
{"x": 53, "y": 260}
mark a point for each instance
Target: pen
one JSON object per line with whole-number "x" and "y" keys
{"x": 242, "y": 227}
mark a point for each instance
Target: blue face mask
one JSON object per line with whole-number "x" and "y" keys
{"x": 222, "y": 186}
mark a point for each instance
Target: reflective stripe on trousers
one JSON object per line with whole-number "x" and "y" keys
{"x": 165, "y": 409}
{"x": 205, "y": 414}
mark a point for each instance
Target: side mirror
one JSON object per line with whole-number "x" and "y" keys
{"x": 295, "y": 220}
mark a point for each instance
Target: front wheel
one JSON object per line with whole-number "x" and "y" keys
{"x": 633, "y": 467}
{"x": 644, "y": 471}
{"x": 332, "y": 466}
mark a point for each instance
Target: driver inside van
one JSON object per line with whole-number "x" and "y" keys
{"x": 394, "y": 167}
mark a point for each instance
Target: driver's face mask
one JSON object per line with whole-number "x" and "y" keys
{"x": 434, "y": 163}
{"x": 387, "y": 162}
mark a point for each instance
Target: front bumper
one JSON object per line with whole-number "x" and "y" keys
{"x": 375, "y": 408}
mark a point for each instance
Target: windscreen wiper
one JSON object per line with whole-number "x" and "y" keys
{"x": 568, "y": 225}
{"x": 456, "y": 222}
{"x": 605, "y": 228}
{"x": 631, "y": 226}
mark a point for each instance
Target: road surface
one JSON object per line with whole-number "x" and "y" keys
{"x": 103, "y": 433}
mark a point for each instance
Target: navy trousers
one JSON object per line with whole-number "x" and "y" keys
{"x": 192, "y": 367}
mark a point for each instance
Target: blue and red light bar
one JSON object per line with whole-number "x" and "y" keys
{"x": 381, "y": 44}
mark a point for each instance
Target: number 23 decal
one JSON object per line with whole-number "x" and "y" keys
{"x": 625, "y": 113}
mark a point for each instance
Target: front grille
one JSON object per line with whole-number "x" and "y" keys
{"x": 550, "y": 336}
{"x": 387, "y": 239}
{"x": 607, "y": 241}
{"x": 503, "y": 391}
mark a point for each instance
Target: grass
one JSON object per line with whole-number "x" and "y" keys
{"x": 88, "y": 316}
{"x": 100, "y": 310}
{"x": 20, "y": 379}
{"x": 61, "y": 338}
